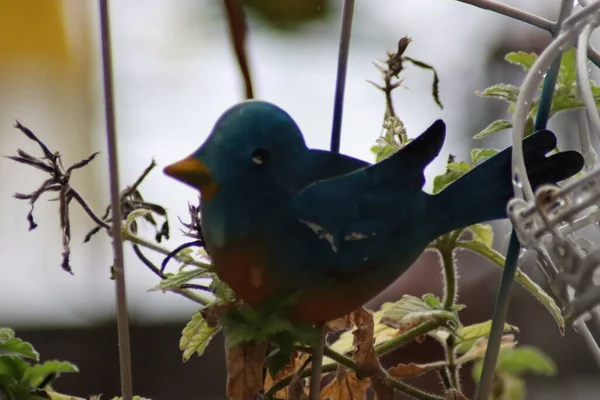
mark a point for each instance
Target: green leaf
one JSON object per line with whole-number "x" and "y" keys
{"x": 134, "y": 398}
{"x": 564, "y": 102}
{"x": 502, "y": 91}
{"x": 567, "y": 75}
{"x": 482, "y": 329}
{"x": 12, "y": 369}
{"x": 246, "y": 324}
{"x": 432, "y": 301}
{"x": 6, "y": 333}
{"x": 467, "y": 335}
{"x": 524, "y": 280}
{"x": 411, "y": 311}
{"x": 221, "y": 289}
{"x": 525, "y": 359}
{"x": 59, "y": 396}
{"x": 496, "y": 126}
{"x": 522, "y": 59}
{"x": 480, "y": 155}
{"x": 482, "y": 233}
{"x": 478, "y": 348}
{"x": 454, "y": 170}
{"x": 518, "y": 361}
{"x": 37, "y": 373}
{"x": 383, "y": 152}
{"x": 175, "y": 280}
{"x": 14, "y": 347}
{"x": 196, "y": 336}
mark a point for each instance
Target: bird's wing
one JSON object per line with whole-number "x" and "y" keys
{"x": 368, "y": 202}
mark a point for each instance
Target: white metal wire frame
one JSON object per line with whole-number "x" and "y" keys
{"x": 551, "y": 221}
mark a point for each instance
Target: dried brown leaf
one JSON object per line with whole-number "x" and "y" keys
{"x": 364, "y": 351}
{"x": 402, "y": 371}
{"x": 340, "y": 324}
{"x": 245, "y": 371}
{"x": 345, "y": 386}
{"x": 213, "y": 313}
{"x": 297, "y": 388}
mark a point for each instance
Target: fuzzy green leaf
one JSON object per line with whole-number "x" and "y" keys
{"x": 246, "y": 324}
{"x": 454, "y": 170}
{"x": 432, "y": 301}
{"x": 496, "y": 126}
{"x": 221, "y": 289}
{"x": 565, "y": 102}
{"x": 6, "y": 333}
{"x": 196, "y": 336}
{"x": 467, "y": 335}
{"x": 520, "y": 360}
{"x": 483, "y": 233}
{"x": 502, "y": 91}
{"x": 383, "y": 152}
{"x": 480, "y": 155}
{"x": 14, "y": 347}
{"x": 37, "y": 373}
{"x": 525, "y": 359}
{"x": 567, "y": 75}
{"x": 524, "y": 280}
{"x": 522, "y": 59}
{"x": 175, "y": 280}
{"x": 410, "y": 311}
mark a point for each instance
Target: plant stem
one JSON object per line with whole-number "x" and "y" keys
{"x": 128, "y": 236}
{"x": 446, "y": 250}
{"x": 113, "y": 167}
{"x": 317, "y": 366}
{"x": 452, "y": 368}
{"x": 410, "y": 335}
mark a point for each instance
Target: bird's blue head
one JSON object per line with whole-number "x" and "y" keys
{"x": 251, "y": 145}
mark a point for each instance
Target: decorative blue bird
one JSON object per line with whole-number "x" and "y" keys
{"x": 278, "y": 216}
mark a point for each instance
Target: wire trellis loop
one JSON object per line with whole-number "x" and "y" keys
{"x": 553, "y": 221}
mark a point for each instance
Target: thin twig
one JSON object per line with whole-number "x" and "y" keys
{"x": 88, "y": 210}
{"x": 181, "y": 290}
{"x": 131, "y": 237}
{"x": 113, "y": 166}
{"x": 237, "y": 31}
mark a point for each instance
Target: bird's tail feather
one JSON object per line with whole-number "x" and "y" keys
{"x": 483, "y": 193}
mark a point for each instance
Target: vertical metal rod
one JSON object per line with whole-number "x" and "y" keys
{"x": 340, "y": 84}
{"x": 514, "y": 247}
{"x": 113, "y": 168}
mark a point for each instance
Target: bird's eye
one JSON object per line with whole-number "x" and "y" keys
{"x": 260, "y": 157}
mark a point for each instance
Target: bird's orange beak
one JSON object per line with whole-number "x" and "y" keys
{"x": 194, "y": 173}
